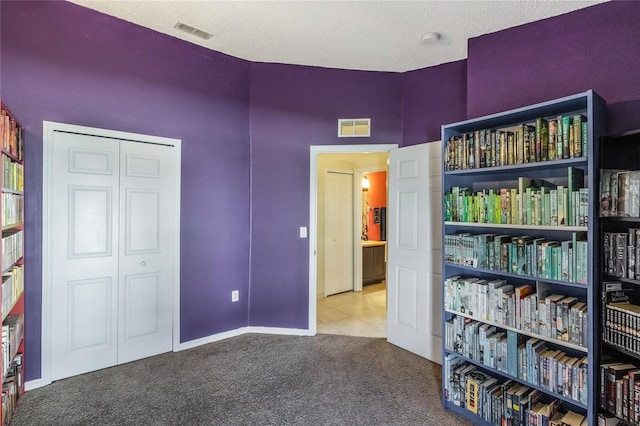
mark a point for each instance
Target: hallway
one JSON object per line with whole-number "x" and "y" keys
{"x": 354, "y": 313}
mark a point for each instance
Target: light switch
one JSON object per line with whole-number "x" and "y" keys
{"x": 303, "y": 232}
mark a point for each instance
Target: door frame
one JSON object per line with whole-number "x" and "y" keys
{"x": 314, "y": 152}
{"x": 49, "y": 128}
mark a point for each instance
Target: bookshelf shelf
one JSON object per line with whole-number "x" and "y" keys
{"x": 11, "y": 255}
{"x": 17, "y": 300}
{"x": 510, "y": 169}
{"x": 523, "y": 332}
{"x": 510, "y": 226}
{"x": 519, "y": 380}
{"x": 511, "y": 275}
{"x": 13, "y": 226}
{"x": 490, "y": 164}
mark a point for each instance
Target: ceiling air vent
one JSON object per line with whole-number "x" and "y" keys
{"x": 192, "y": 30}
{"x": 354, "y": 127}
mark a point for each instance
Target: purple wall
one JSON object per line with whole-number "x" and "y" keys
{"x": 292, "y": 108}
{"x": 595, "y": 48}
{"x": 62, "y": 62}
{"x": 431, "y": 97}
{"x": 246, "y": 130}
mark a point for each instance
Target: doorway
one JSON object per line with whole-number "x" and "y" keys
{"x": 110, "y": 248}
{"x": 358, "y": 300}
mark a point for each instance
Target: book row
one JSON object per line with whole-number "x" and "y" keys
{"x": 547, "y": 207}
{"x": 12, "y": 388}
{"x": 12, "y": 209}
{"x": 521, "y": 255}
{"x": 619, "y": 193}
{"x": 528, "y": 359}
{"x": 12, "y": 174}
{"x": 12, "y": 287}
{"x": 11, "y": 134}
{"x": 502, "y": 402}
{"x": 533, "y": 309}
{"x": 621, "y": 253}
{"x": 12, "y": 248}
{"x": 543, "y": 140}
{"x": 533, "y": 202}
{"x": 620, "y": 390}
{"x": 12, "y": 332}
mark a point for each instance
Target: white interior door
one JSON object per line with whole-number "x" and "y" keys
{"x": 112, "y": 224}
{"x": 414, "y": 244}
{"x": 338, "y": 232}
{"x": 85, "y": 259}
{"x": 146, "y": 238}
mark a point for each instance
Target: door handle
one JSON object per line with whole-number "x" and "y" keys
{"x": 143, "y": 263}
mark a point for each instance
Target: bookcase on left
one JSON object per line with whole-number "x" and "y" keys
{"x": 12, "y": 258}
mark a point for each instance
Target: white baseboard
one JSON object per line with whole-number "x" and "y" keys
{"x": 35, "y": 384}
{"x": 243, "y": 330}
{"x": 281, "y": 331}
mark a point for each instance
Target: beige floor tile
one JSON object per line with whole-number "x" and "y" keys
{"x": 356, "y": 327}
{"x": 354, "y": 313}
{"x": 330, "y": 315}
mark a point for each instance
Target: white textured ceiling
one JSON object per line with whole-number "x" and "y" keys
{"x": 363, "y": 35}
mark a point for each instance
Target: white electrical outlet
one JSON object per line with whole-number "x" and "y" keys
{"x": 235, "y": 295}
{"x": 303, "y": 232}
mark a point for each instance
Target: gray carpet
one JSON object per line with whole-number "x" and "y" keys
{"x": 252, "y": 380}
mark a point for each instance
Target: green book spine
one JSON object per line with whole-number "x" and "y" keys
{"x": 566, "y": 124}
{"x": 574, "y": 183}
{"x": 561, "y": 215}
{"x": 544, "y": 140}
{"x": 577, "y": 134}
{"x": 503, "y": 148}
{"x": 546, "y": 216}
{"x": 559, "y": 140}
{"x": 511, "y": 148}
{"x": 528, "y": 206}
{"x": 520, "y": 153}
{"x": 538, "y": 139}
{"x": 553, "y": 139}
{"x": 513, "y": 199}
{"x": 553, "y": 207}
{"x": 585, "y": 138}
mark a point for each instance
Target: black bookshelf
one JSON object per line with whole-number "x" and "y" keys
{"x": 616, "y": 340}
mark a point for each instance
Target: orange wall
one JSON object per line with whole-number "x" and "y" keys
{"x": 377, "y": 198}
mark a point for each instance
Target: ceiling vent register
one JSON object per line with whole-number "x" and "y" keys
{"x": 192, "y": 30}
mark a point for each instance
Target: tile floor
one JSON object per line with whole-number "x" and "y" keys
{"x": 353, "y": 313}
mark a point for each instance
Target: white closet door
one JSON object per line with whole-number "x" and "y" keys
{"x": 113, "y": 260}
{"x": 146, "y": 240}
{"x": 338, "y": 233}
{"x": 85, "y": 255}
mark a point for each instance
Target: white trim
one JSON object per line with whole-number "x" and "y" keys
{"x": 35, "y": 384}
{"x": 209, "y": 339}
{"x": 239, "y": 332}
{"x": 314, "y": 151}
{"x": 47, "y": 242}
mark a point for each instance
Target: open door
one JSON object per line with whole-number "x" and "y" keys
{"x": 414, "y": 241}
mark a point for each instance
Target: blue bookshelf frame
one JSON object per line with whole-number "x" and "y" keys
{"x": 591, "y": 105}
